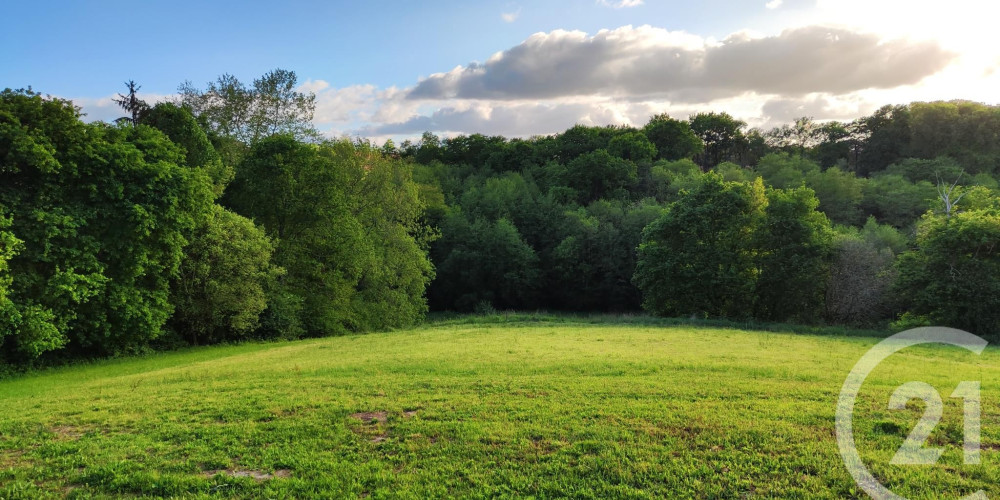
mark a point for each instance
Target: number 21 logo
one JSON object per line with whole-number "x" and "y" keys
{"x": 913, "y": 451}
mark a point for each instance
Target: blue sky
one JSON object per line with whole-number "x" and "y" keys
{"x": 362, "y": 58}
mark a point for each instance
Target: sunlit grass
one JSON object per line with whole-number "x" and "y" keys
{"x": 468, "y": 408}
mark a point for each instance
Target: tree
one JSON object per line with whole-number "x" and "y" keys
{"x": 840, "y": 194}
{"x": 483, "y": 263}
{"x": 896, "y": 201}
{"x": 952, "y": 278}
{"x": 131, "y": 103}
{"x": 797, "y": 138}
{"x": 103, "y": 214}
{"x": 673, "y": 139}
{"x": 669, "y": 178}
{"x": 221, "y": 289}
{"x": 346, "y": 221}
{"x": 783, "y": 170}
{"x": 632, "y": 146}
{"x": 884, "y": 138}
{"x": 579, "y": 140}
{"x": 597, "y": 174}
{"x": 835, "y": 144}
{"x": 698, "y": 257}
{"x": 720, "y": 133}
{"x": 182, "y": 129}
{"x": 271, "y": 105}
{"x": 591, "y": 267}
{"x": 792, "y": 248}
{"x": 390, "y": 292}
{"x": 862, "y": 273}
{"x": 736, "y": 250}
{"x": 301, "y": 200}
{"x": 732, "y": 172}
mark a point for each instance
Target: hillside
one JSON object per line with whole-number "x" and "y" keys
{"x": 474, "y": 409}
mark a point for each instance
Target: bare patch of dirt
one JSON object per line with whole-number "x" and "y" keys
{"x": 369, "y": 416}
{"x": 374, "y": 429}
{"x": 69, "y": 432}
{"x": 409, "y": 413}
{"x": 11, "y": 458}
{"x": 254, "y": 474}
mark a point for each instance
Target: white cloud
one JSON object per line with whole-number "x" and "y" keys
{"x": 620, "y": 4}
{"x": 651, "y": 62}
{"x": 554, "y": 80}
{"x": 313, "y": 86}
{"x": 509, "y": 17}
{"x": 773, "y": 4}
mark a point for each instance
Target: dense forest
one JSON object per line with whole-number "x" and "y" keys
{"x": 225, "y": 216}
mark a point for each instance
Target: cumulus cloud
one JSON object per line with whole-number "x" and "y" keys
{"x": 554, "y": 80}
{"x": 652, "y": 62}
{"x": 819, "y": 107}
{"x": 773, "y": 4}
{"x": 515, "y": 119}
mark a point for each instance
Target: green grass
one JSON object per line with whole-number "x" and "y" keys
{"x": 505, "y": 407}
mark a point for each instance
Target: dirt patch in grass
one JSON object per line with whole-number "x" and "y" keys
{"x": 369, "y": 416}
{"x": 11, "y": 458}
{"x": 375, "y": 429}
{"x": 69, "y": 432}
{"x": 253, "y": 474}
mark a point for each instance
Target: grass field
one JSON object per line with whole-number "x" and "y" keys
{"x": 470, "y": 408}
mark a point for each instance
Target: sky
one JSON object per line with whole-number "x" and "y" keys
{"x": 385, "y": 69}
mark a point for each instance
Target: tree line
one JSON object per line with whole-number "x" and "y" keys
{"x": 832, "y": 223}
{"x": 225, "y": 216}
{"x": 166, "y": 229}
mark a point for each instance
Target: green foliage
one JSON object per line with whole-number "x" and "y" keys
{"x": 347, "y": 223}
{"x": 836, "y": 144}
{"x": 270, "y": 105}
{"x": 483, "y": 262}
{"x": 698, "y": 257}
{"x": 916, "y": 170}
{"x": 893, "y": 200}
{"x": 953, "y": 276}
{"x": 728, "y": 249}
{"x": 517, "y": 199}
{"x": 887, "y": 138}
{"x": 732, "y": 172}
{"x": 597, "y": 175}
{"x": 785, "y": 171}
{"x": 478, "y": 149}
{"x": 103, "y": 213}
{"x": 721, "y": 134}
{"x": 632, "y": 146}
{"x": 579, "y": 140}
{"x": 222, "y": 285}
{"x": 388, "y": 205}
{"x": 669, "y": 178}
{"x": 182, "y": 129}
{"x": 862, "y": 274}
{"x": 592, "y": 265}
{"x": 792, "y": 249}
{"x": 839, "y": 192}
{"x": 672, "y": 138}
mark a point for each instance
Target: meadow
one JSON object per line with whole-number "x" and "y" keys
{"x": 494, "y": 407}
